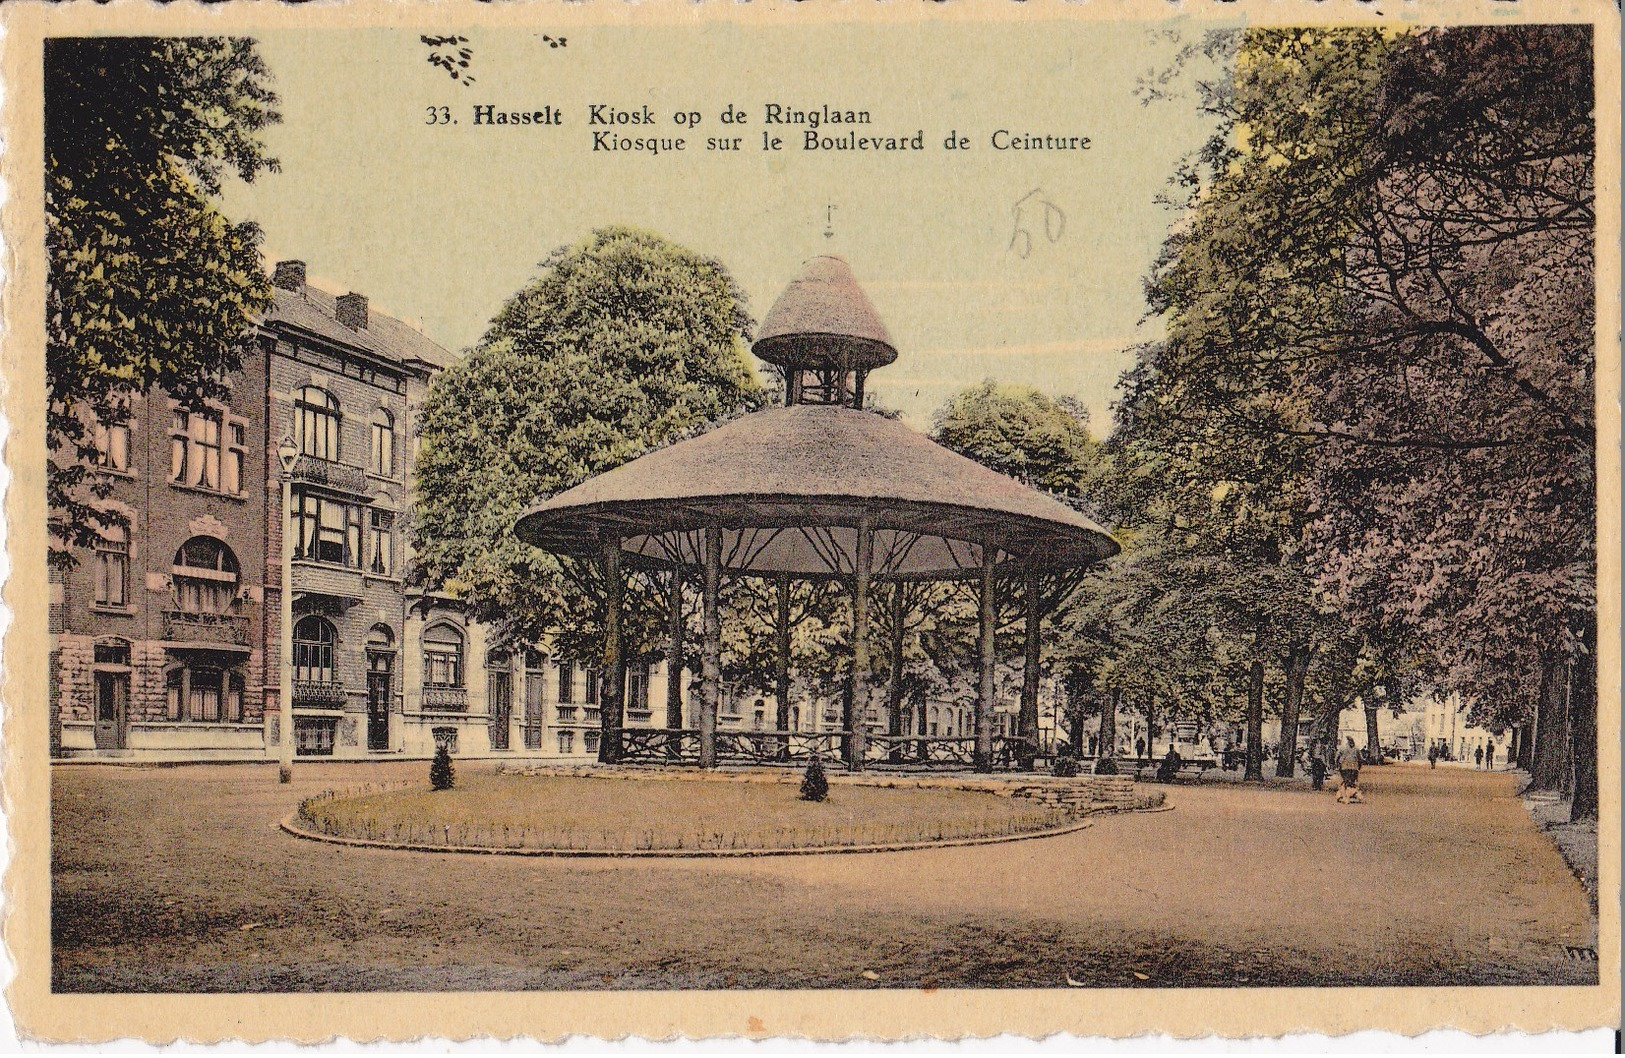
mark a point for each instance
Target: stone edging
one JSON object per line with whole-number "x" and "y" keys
{"x": 288, "y": 825}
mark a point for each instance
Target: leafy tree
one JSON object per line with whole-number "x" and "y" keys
{"x": 149, "y": 284}
{"x": 623, "y": 343}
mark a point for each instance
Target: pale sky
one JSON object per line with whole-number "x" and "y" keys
{"x": 439, "y": 224}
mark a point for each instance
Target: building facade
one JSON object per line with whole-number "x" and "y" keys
{"x": 169, "y": 637}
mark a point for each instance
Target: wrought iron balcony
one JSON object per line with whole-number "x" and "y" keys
{"x": 318, "y": 694}
{"x": 340, "y": 477}
{"x": 445, "y": 699}
{"x": 224, "y": 629}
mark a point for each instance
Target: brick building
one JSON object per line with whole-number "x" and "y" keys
{"x": 167, "y": 638}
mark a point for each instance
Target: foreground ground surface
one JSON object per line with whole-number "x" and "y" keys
{"x": 174, "y": 879}
{"x": 570, "y": 812}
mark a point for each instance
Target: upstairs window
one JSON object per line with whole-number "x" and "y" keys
{"x": 382, "y": 461}
{"x": 316, "y": 423}
{"x": 113, "y": 567}
{"x": 205, "y": 575}
{"x": 207, "y": 450}
{"x": 442, "y": 657}
{"x": 113, "y": 446}
{"x": 325, "y": 529}
{"x": 380, "y": 542}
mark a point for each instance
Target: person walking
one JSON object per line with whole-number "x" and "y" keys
{"x": 1348, "y": 769}
{"x": 1478, "y": 757}
{"x": 1433, "y": 755}
{"x": 1489, "y": 757}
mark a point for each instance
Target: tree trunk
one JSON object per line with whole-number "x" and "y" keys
{"x": 1286, "y": 757}
{"x": 1108, "y": 725}
{"x": 1255, "y": 723}
{"x": 1075, "y": 686}
{"x": 917, "y": 704}
{"x": 674, "y": 654}
{"x": 612, "y": 692}
{"x": 1151, "y": 729}
{"x": 1027, "y": 725}
{"x": 1551, "y": 736}
{"x": 1373, "y": 741}
{"x": 1583, "y": 726}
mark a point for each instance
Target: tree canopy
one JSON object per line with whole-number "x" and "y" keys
{"x": 149, "y": 284}
{"x": 624, "y": 342}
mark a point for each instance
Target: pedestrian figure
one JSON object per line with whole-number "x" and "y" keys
{"x": 1348, "y": 769}
{"x": 1489, "y": 757}
{"x": 1478, "y": 757}
{"x": 1168, "y": 770}
{"x": 1317, "y": 771}
{"x": 1433, "y": 756}
{"x": 1139, "y": 748}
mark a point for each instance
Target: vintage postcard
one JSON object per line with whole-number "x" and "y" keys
{"x": 839, "y": 520}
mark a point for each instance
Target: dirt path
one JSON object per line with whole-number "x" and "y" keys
{"x": 1441, "y": 878}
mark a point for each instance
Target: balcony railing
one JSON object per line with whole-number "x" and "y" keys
{"x": 567, "y": 713}
{"x": 227, "y": 629}
{"x": 340, "y": 477}
{"x": 445, "y": 699}
{"x": 318, "y": 694}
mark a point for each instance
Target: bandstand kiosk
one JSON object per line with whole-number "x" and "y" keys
{"x": 819, "y": 488}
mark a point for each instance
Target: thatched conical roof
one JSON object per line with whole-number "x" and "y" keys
{"x": 824, "y": 318}
{"x": 789, "y": 486}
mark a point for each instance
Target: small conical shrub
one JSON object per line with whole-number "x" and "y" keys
{"x": 814, "y": 786}
{"x": 441, "y": 774}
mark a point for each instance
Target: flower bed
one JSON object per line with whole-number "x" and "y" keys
{"x": 502, "y": 811}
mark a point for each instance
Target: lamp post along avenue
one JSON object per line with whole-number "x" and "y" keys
{"x": 287, "y": 454}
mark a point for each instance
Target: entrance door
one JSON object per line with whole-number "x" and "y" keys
{"x": 112, "y": 709}
{"x": 535, "y": 705}
{"x": 380, "y": 689}
{"x": 500, "y": 686}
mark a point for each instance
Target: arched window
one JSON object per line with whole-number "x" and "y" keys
{"x": 205, "y": 575}
{"x": 316, "y": 423}
{"x": 313, "y": 639}
{"x": 442, "y": 656}
{"x": 382, "y": 461}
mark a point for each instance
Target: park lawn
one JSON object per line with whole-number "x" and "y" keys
{"x": 583, "y": 813}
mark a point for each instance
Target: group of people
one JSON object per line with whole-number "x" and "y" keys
{"x": 1483, "y": 756}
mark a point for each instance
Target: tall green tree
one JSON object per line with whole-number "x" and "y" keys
{"x": 149, "y": 284}
{"x": 623, "y": 343}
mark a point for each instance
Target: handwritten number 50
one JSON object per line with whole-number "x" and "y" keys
{"x": 437, "y": 116}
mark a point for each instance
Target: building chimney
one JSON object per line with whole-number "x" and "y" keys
{"x": 351, "y": 310}
{"x": 289, "y": 275}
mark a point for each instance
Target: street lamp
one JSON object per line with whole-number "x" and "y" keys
{"x": 287, "y": 454}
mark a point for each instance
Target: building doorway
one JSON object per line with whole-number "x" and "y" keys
{"x": 499, "y": 696}
{"x": 112, "y": 709}
{"x": 535, "y": 697}
{"x": 380, "y": 690}
{"x": 112, "y": 669}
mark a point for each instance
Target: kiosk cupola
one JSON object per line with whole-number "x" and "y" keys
{"x": 825, "y": 335}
